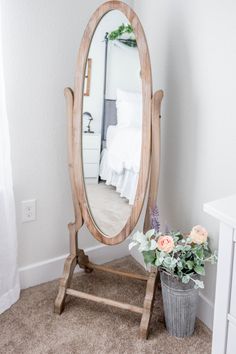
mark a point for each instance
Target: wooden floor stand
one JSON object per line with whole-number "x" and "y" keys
{"x": 83, "y": 261}
{"x": 78, "y": 257}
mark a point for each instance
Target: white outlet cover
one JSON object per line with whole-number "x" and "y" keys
{"x": 28, "y": 210}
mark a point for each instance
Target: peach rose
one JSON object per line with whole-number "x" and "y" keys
{"x": 165, "y": 243}
{"x": 198, "y": 234}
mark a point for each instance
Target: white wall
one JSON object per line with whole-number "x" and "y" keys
{"x": 123, "y": 68}
{"x": 41, "y": 41}
{"x": 192, "y": 46}
{"x": 193, "y": 53}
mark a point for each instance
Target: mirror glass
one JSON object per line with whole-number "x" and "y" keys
{"x": 112, "y": 123}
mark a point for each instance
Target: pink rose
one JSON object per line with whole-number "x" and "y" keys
{"x": 165, "y": 243}
{"x": 198, "y": 234}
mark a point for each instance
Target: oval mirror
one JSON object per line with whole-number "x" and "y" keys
{"x": 112, "y": 122}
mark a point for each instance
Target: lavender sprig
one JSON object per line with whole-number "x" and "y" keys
{"x": 154, "y": 219}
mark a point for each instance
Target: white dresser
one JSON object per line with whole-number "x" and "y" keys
{"x": 91, "y": 156}
{"x": 224, "y": 327}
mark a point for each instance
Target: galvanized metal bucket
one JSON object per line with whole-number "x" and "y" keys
{"x": 180, "y": 305}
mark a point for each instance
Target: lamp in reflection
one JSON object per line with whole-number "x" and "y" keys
{"x": 88, "y": 117}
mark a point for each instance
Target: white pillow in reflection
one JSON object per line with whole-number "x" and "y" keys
{"x": 129, "y": 109}
{"x": 122, "y": 95}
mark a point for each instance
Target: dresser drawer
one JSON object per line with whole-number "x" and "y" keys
{"x": 233, "y": 289}
{"x": 90, "y": 170}
{"x": 91, "y": 156}
{"x": 91, "y": 141}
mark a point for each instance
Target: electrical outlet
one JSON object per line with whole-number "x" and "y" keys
{"x": 28, "y": 210}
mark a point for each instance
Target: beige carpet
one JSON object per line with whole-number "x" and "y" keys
{"x": 31, "y": 327}
{"x": 109, "y": 210}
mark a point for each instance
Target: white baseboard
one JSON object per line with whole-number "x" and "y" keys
{"x": 42, "y": 272}
{"x": 205, "y": 311}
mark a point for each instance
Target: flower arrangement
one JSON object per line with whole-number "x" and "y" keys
{"x": 182, "y": 256}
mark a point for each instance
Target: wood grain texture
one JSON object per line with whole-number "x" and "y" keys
{"x": 103, "y": 300}
{"x": 155, "y": 157}
{"x": 65, "y": 281}
{"x": 69, "y": 96}
{"x": 80, "y": 191}
{"x": 148, "y": 304}
{"x": 72, "y": 259}
{"x": 117, "y": 272}
{"x": 83, "y": 261}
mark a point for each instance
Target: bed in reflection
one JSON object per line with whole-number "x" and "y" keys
{"x": 120, "y": 158}
{"x": 112, "y": 123}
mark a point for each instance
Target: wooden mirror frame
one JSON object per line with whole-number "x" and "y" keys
{"x": 150, "y": 156}
{"x": 146, "y": 76}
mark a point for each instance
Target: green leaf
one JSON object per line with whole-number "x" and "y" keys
{"x": 173, "y": 262}
{"x": 185, "y": 279}
{"x": 188, "y": 254}
{"x": 167, "y": 261}
{"x": 187, "y": 248}
{"x": 190, "y": 264}
{"x": 199, "y": 284}
{"x": 149, "y": 257}
{"x": 214, "y": 258}
{"x": 199, "y": 270}
{"x": 180, "y": 264}
{"x": 122, "y": 29}
{"x": 179, "y": 273}
{"x": 179, "y": 248}
{"x": 178, "y": 234}
{"x": 159, "y": 258}
{"x": 158, "y": 262}
{"x": 150, "y": 233}
{"x": 199, "y": 253}
{"x": 163, "y": 254}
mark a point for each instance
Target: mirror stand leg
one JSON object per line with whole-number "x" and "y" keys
{"x": 83, "y": 261}
{"x": 148, "y": 303}
{"x": 69, "y": 267}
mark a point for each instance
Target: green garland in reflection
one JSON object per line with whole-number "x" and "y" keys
{"x": 120, "y": 31}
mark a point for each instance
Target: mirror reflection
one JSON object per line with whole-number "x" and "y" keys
{"x": 112, "y": 123}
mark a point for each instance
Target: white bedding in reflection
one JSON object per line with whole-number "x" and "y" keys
{"x": 124, "y": 148}
{"x": 120, "y": 160}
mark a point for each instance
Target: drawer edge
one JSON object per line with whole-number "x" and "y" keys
{"x": 231, "y": 319}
